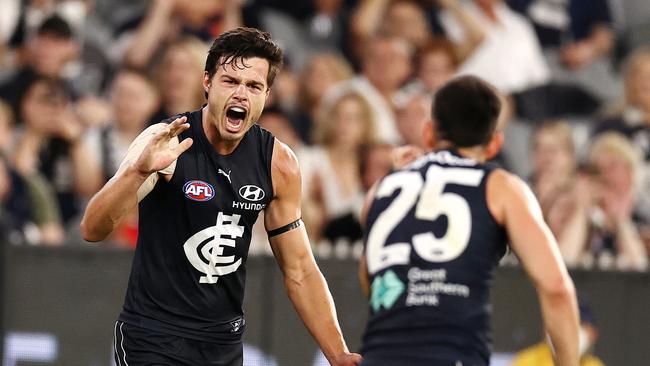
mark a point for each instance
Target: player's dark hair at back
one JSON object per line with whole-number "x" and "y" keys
{"x": 466, "y": 110}
{"x": 240, "y": 43}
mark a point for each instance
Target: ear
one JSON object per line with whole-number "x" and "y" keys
{"x": 206, "y": 82}
{"x": 429, "y": 135}
{"x": 494, "y": 146}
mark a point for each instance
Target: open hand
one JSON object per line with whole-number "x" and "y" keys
{"x": 159, "y": 153}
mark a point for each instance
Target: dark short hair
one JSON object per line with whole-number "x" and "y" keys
{"x": 240, "y": 43}
{"x": 465, "y": 111}
{"x": 55, "y": 26}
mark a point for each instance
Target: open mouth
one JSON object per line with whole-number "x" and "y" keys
{"x": 235, "y": 117}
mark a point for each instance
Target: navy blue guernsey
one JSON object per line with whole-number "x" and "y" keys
{"x": 431, "y": 249}
{"x": 189, "y": 267}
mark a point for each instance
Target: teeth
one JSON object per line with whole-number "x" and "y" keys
{"x": 238, "y": 109}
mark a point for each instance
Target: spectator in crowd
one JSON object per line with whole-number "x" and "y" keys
{"x": 308, "y": 27}
{"x": 286, "y": 89}
{"x": 376, "y": 162}
{"x": 437, "y": 64}
{"x": 134, "y": 99}
{"x": 321, "y": 73}
{"x": 169, "y": 20}
{"x": 21, "y": 19}
{"x": 28, "y": 209}
{"x": 578, "y": 38}
{"x": 594, "y": 217}
{"x": 632, "y": 119}
{"x": 580, "y": 30}
{"x": 400, "y": 18}
{"x": 509, "y": 56}
{"x": 553, "y": 158}
{"x": 345, "y": 124}
{"x": 411, "y": 118}
{"x": 47, "y": 54}
{"x": 178, "y": 78}
{"x": 408, "y": 19}
{"x": 52, "y": 143}
{"x": 541, "y": 353}
{"x": 380, "y": 85}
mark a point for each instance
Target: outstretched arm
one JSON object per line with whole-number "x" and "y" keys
{"x": 514, "y": 206}
{"x": 306, "y": 286}
{"x": 154, "y": 151}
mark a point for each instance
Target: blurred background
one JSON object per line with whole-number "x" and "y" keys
{"x": 79, "y": 79}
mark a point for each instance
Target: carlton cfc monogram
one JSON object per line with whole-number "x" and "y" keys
{"x": 210, "y": 258}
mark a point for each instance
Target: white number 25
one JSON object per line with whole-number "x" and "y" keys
{"x": 432, "y": 203}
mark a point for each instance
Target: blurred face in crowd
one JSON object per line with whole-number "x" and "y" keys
{"x": 134, "y": 100}
{"x": 615, "y": 172}
{"x": 350, "y": 119}
{"x": 407, "y": 20}
{"x": 436, "y": 68}
{"x": 180, "y": 75}
{"x": 411, "y": 119}
{"x": 638, "y": 82}
{"x": 387, "y": 63}
{"x": 236, "y": 96}
{"x": 551, "y": 154}
{"x": 42, "y": 104}
{"x": 280, "y": 126}
{"x": 319, "y": 77}
{"x": 377, "y": 164}
{"x": 49, "y": 53}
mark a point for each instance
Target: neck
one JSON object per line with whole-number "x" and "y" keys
{"x": 477, "y": 153}
{"x": 223, "y": 147}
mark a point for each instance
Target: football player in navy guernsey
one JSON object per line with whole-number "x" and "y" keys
{"x": 436, "y": 230}
{"x": 199, "y": 181}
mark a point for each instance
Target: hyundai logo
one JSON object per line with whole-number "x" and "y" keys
{"x": 251, "y": 193}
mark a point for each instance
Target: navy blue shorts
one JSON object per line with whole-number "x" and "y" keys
{"x": 136, "y": 346}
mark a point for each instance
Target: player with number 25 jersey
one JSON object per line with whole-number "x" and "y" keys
{"x": 435, "y": 231}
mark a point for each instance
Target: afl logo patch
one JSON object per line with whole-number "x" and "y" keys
{"x": 251, "y": 192}
{"x": 198, "y": 190}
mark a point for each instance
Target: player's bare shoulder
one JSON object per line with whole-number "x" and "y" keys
{"x": 505, "y": 188}
{"x": 285, "y": 170}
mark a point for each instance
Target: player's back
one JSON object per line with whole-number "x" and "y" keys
{"x": 431, "y": 249}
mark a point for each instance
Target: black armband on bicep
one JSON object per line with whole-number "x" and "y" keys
{"x": 281, "y": 230}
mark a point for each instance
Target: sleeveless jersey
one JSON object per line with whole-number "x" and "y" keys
{"x": 189, "y": 268}
{"x": 431, "y": 249}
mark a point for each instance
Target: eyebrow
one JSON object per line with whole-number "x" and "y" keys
{"x": 252, "y": 82}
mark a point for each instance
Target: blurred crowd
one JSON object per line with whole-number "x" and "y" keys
{"x": 80, "y": 79}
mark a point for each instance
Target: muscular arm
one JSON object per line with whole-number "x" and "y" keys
{"x": 305, "y": 284}
{"x": 152, "y": 153}
{"x": 514, "y": 206}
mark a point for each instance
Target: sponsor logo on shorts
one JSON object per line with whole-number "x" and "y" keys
{"x": 198, "y": 190}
